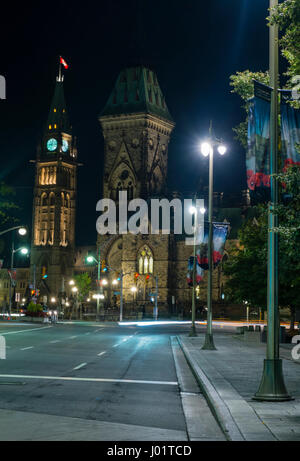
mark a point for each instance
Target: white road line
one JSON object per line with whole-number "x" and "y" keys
{"x": 116, "y": 345}
{"x": 100, "y": 329}
{"x": 55, "y": 341}
{"x": 88, "y": 333}
{"x": 72, "y": 337}
{"x": 23, "y": 331}
{"x": 80, "y": 366}
{"x": 25, "y": 348}
{"x": 101, "y": 353}
{"x": 97, "y": 380}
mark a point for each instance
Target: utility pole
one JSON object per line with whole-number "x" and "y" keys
{"x": 272, "y": 386}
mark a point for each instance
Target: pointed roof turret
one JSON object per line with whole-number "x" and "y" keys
{"x": 137, "y": 90}
{"x": 58, "y": 119}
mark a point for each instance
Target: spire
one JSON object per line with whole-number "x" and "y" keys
{"x": 58, "y": 119}
{"x": 137, "y": 91}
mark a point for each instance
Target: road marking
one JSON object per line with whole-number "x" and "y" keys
{"x": 72, "y": 337}
{"x": 100, "y": 329}
{"x": 97, "y": 380}
{"x": 125, "y": 339}
{"x": 55, "y": 341}
{"x": 116, "y": 345}
{"x": 101, "y": 353}
{"x": 23, "y": 331}
{"x": 25, "y": 348}
{"x": 88, "y": 333}
{"x": 80, "y": 366}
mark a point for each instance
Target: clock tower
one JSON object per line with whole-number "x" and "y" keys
{"x": 54, "y": 205}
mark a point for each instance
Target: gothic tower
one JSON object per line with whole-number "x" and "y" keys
{"x": 54, "y": 205}
{"x": 136, "y": 126}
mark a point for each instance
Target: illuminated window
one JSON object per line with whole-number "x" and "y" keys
{"x": 55, "y": 126}
{"x": 50, "y": 127}
{"x": 64, "y": 110}
{"x": 54, "y": 110}
{"x": 145, "y": 261}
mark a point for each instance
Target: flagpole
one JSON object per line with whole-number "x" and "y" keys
{"x": 59, "y": 71}
{"x": 272, "y": 386}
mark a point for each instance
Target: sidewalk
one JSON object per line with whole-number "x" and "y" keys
{"x": 229, "y": 378}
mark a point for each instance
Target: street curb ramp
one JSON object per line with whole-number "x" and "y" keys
{"x": 216, "y": 404}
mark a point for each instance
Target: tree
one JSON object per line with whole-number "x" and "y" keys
{"x": 287, "y": 16}
{"x": 247, "y": 268}
{"x": 243, "y": 85}
{"x": 83, "y": 282}
{"x": 7, "y": 205}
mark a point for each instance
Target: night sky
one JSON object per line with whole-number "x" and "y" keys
{"x": 194, "y": 46}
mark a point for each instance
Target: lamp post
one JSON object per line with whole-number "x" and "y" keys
{"x": 24, "y": 251}
{"x": 22, "y": 230}
{"x": 194, "y": 211}
{"x": 91, "y": 259}
{"x": 207, "y": 149}
{"x": 272, "y": 386}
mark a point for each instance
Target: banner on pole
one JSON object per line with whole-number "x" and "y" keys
{"x": 290, "y": 131}
{"x": 199, "y": 274}
{"x": 220, "y": 232}
{"x": 258, "y": 153}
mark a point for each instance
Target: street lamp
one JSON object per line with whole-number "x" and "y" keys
{"x": 90, "y": 259}
{"x": 24, "y": 251}
{"x": 193, "y": 210}
{"x": 21, "y": 230}
{"x": 207, "y": 149}
{"x": 272, "y": 387}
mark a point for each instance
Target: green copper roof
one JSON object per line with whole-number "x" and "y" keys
{"x": 58, "y": 117}
{"x": 137, "y": 90}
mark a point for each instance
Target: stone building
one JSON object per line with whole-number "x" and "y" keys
{"x": 54, "y": 201}
{"x": 136, "y": 126}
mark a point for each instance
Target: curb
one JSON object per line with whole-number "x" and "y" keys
{"x": 216, "y": 404}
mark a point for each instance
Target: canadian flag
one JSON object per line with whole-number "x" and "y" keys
{"x": 63, "y": 62}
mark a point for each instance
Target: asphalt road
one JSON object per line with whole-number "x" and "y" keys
{"x": 103, "y": 373}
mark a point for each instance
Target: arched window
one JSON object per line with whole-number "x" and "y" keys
{"x": 52, "y": 199}
{"x": 68, "y": 201}
{"x": 145, "y": 261}
{"x": 44, "y": 199}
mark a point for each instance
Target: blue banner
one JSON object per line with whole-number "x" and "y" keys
{"x": 220, "y": 233}
{"x": 258, "y": 153}
{"x": 290, "y": 131}
{"x": 199, "y": 272}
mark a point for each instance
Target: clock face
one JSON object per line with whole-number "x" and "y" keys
{"x": 51, "y": 144}
{"x": 65, "y": 145}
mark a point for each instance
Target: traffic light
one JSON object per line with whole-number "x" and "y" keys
{"x": 103, "y": 266}
{"x": 147, "y": 278}
{"x": 44, "y": 272}
{"x": 136, "y": 275}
